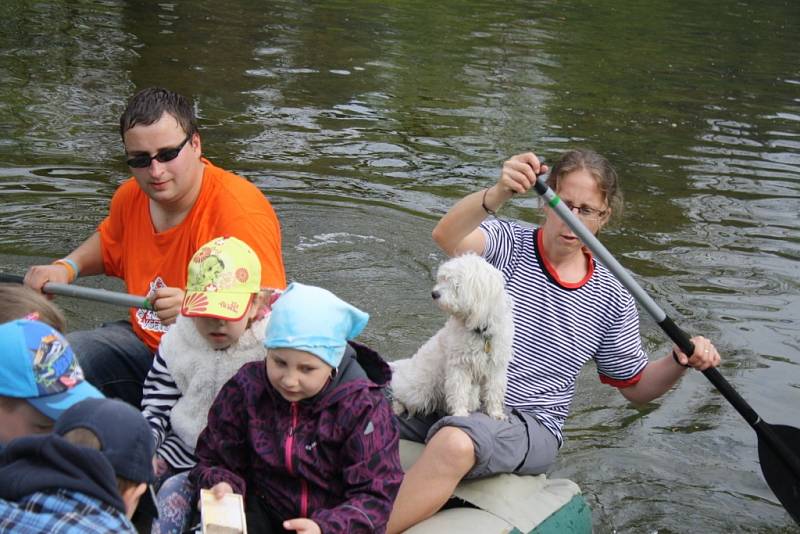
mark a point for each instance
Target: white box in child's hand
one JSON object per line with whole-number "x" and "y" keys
{"x": 223, "y": 516}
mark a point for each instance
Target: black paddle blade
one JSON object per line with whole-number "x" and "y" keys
{"x": 782, "y": 479}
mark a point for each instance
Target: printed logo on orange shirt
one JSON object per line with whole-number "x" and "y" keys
{"x": 148, "y": 319}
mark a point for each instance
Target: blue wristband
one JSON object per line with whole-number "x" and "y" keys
{"x": 72, "y": 264}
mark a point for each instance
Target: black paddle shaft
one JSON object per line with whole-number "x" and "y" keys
{"x": 764, "y": 430}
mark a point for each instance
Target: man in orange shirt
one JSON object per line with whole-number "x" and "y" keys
{"x": 176, "y": 201}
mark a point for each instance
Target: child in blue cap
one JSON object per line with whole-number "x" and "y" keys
{"x": 307, "y": 435}
{"x": 39, "y": 379}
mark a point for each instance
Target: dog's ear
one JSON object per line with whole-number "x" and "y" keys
{"x": 483, "y": 287}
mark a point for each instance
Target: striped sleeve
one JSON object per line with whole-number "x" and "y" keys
{"x": 499, "y": 249}
{"x": 160, "y": 394}
{"x": 621, "y": 358}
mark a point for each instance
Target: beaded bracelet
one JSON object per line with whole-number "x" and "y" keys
{"x": 71, "y": 267}
{"x": 483, "y": 203}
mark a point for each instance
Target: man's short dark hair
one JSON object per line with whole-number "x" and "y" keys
{"x": 148, "y": 105}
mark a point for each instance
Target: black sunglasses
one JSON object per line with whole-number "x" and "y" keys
{"x": 163, "y": 156}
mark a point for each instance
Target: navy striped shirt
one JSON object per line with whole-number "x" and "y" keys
{"x": 161, "y": 393}
{"x": 561, "y": 326}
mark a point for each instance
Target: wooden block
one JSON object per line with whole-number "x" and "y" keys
{"x": 224, "y": 516}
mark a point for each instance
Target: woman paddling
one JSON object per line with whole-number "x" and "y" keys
{"x": 568, "y": 310}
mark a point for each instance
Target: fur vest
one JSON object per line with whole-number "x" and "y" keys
{"x": 200, "y": 371}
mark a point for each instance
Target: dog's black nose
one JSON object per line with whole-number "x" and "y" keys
{"x": 435, "y": 295}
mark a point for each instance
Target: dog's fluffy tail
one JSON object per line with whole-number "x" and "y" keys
{"x": 415, "y": 384}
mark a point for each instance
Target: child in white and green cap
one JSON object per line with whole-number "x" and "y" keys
{"x": 221, "y": 327}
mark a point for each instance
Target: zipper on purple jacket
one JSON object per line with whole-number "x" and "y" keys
{"x": 287, "y": 453}
{"x": 303, "y": 498}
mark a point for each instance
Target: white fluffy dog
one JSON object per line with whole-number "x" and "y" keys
{"x": 462, "y": 368}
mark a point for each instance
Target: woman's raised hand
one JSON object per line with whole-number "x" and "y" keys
{"x": 519, "y": 173}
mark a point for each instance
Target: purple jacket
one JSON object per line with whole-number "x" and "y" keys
{"x": 333, "y": 458}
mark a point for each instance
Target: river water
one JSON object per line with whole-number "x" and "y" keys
{"x": 364, "y": 121}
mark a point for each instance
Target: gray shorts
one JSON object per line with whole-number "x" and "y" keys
{"x": 520, "y": 445}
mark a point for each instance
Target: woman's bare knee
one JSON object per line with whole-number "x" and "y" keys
{"x": 454, "y": 449}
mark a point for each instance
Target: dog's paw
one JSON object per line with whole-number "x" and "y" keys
{"x": 398, "y": 407}
{"x": 500, "y": 416}
{"x": 460, "y": 413}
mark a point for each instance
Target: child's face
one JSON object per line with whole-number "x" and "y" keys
{"x": 222, "y": 333}
{"x": 18, "y": 418}
{"x": 296, "y": 374}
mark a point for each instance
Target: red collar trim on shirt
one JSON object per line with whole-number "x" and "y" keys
{"x": 550, "y": 271}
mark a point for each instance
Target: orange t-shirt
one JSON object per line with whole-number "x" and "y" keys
{"x": 228, "y": 205}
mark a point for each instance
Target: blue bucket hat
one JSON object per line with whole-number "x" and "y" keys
{"x": 313, "y": 320}
{"x": 39, "y": 366}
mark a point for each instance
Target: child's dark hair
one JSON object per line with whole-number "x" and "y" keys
{"x": 20, "y": 302}
{"x": 148, "y": 105}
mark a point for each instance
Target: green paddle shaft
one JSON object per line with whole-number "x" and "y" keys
{"x": 678, "y": 336}
{"x": 88, "y": 293}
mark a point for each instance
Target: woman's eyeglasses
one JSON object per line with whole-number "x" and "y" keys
{"x": 585, "y": 212}
{"x": 162, "y": 156}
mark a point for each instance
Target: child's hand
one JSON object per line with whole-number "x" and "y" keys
{"x": 302, "y": 526}
{"x": 167, "y": 303}
{"x": 159, "y": 466}
{"x": 221, "y": 489}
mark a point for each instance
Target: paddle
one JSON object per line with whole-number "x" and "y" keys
{"x": 89, "y": 293}
{"x": 778, "y": 445}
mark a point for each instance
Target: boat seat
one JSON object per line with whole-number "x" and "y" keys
{"x": 507, "y": 503}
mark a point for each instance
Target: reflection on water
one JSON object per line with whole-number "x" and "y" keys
{"x": 364, "y": 122}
